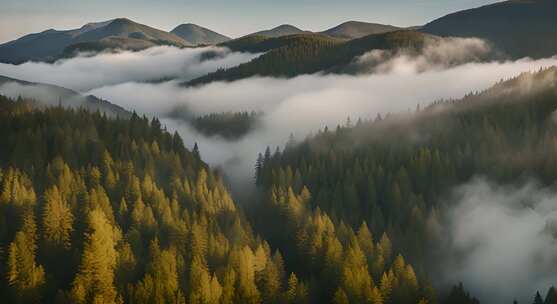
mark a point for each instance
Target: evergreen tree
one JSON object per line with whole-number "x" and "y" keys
{"x": 551, "y": 297}
{"x": 95, "y": 281}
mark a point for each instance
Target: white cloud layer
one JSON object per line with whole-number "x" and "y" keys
{"x": 88, "y": 72}
{"x": 299, "y": 105}
{"x": 503, "y": 242}
{"x": 307, "y": 103}
{"x": 437, "y": 54}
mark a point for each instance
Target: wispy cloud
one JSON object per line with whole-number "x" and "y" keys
{"x": 89, "y": 72}
{"x": 503, "y": 242}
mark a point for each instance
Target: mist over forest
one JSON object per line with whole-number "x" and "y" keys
{"x": 364, "y": 163}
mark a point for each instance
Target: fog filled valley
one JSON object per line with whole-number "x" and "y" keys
{"x": 365, "y": 163}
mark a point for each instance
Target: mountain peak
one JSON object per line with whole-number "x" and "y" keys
{"x": 198, "y": 35}
{"x": 119, "y": 33}
{"x": 286, "y": 26}
{"x": 281, "y": 30}
{"x": 357, "y": 29}
{"x": 122, "y": 20}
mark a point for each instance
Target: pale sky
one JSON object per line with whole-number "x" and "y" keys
{"x": 232, "y": 18}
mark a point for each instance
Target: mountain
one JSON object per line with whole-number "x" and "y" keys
{"x": 198, "y": 35}
{"x": 74, "y": 173}
{"x": 519, "y": 27}
{"x": 118, "y": 33}
{"x": 52, "y": 95}
{"x": 399, "y": 183}
{"x": 285, "y": 56}
{"x": 356, "y": 29}
{"x": 279, "y": 31}
{"x": 108, "y": 43}
{"x": 294, "y": 55}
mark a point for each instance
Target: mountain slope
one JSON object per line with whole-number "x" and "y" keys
{"x": 279, "y": 31}
{"x": 356, "y": 29}
{"x": 294, "y": 55}
{"x": 135, "y": 187}
{"x": 518, "y": 27}
{"x": 48, "y": 45}
{"x": 399, "y": 183}
{"x": 52, "y": 95}
{"x": 198, "y": 35}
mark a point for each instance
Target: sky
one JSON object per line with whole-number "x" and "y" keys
{"x": 232, "y": 18}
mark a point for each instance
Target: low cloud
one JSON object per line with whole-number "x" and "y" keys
{"x": 304, "y": 104}
{"x": 437, "y": 54}
{"x": 502, "y": 245}
{"x": 300, "y": 105}
{"x": 503, "y": 242}
{"x": 153, "y": 64}
{"x": 45, "y": 95}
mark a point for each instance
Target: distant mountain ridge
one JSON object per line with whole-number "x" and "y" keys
{"x": 198, "y": 35}
{"x": 279, "y": 31}
{"x": 50, "y": 44}
{"x": 308, "y": 53}
{"x": 518, "y": 27}
{"x": 358, "y": 29}
{"x": 48, "y": 94}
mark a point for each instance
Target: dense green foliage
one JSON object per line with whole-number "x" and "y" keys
{"x": 227, "y": 125}
{"x": 260, "y": 44}
{"x": 104, "y": 210}
{"x": 393, "y": 173}
{"x": 294, "y": 55}
{"x": 99, "y": 210}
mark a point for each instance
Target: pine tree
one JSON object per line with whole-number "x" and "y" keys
{"x": 375, "y": 296}
{"x": 340, "y": 297}
{"x": 195, "y": 151}
{"x": 291, "y": 292}
{"x": 228, "y": 290}
{"x": 57, "y": 219}
{"x": 200, "y": 282}
{"x": 24, "y": 275}
{"x": 538, "y": 298}
{"x": 258, "y": 169}
{"x": 386, "y": 247}
{"x": 551, "y": 297}
{"x": 95, "y": 281}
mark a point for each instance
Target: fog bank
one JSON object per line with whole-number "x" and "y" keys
{"x": 307, "y": 103}
{"x": 153, "y": 64}
{"x": 502, "y": 241}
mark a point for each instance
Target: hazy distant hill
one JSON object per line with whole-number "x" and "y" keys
{"x": 54, "y": 95}
{"x": 279, "y": 31}
{"x": 198, "y": 35}
{"x": 356, "y": 29}
{"x": 518, "y": 27}
{"x": 109, "y": 43}
{"x": 118, "y": 33}
{"x": 294, "y": 55}
{"x": 259, "y": 43}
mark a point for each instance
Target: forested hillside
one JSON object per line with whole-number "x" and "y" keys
{"x": 104, "y": 210}
{"x": 99, "y": 210}
{"x": 294, "y": 55}
{"x": 49, "y": 95}
{"x": 498, "y": 23}
{"x": 228, "y": 125}
{"x": 95, "y": 210}
{"x": 392, "y": 175}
